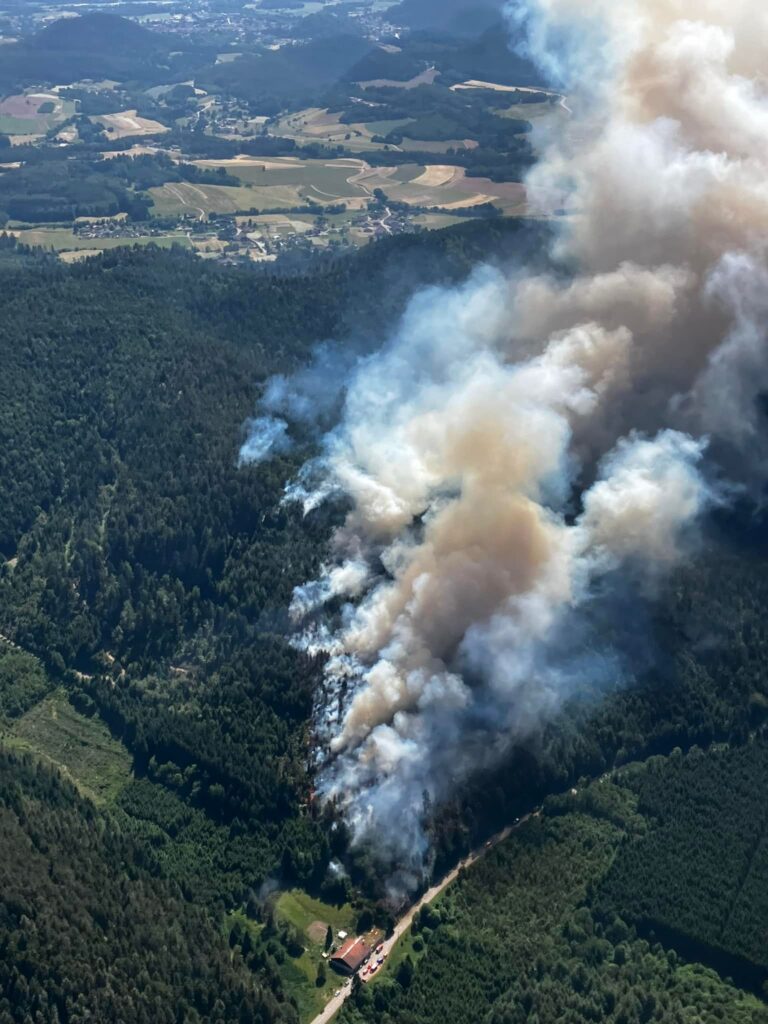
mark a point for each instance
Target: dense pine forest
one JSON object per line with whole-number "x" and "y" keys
{"x": 144, "y": 583}
{"x": 572, "y": 918}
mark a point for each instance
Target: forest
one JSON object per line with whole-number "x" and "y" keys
{"x": 552, "y": 926}
{"x": 145, "y": 580}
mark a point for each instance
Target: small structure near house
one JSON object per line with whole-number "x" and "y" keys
{"x": 343, "y": 935}
{"x": 351, "y": 956}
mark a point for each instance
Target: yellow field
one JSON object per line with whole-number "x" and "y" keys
{"x": 127, "y": 123}
{"x": 437, "y": 175}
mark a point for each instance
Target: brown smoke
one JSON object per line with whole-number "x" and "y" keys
{"x": 462, "y": 440}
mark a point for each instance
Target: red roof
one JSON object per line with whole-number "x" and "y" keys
{"x": 352, "y": 954}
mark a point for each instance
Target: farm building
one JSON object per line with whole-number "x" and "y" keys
{"x": 351, "y": 956}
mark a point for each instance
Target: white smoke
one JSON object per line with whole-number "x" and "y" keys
{"x": 521, "y": 442}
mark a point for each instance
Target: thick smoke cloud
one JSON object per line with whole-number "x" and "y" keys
{"x": 524, "y": 444}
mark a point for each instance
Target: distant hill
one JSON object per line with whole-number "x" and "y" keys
{"x": 291, "y": 72}
{"x": 488, "y": 57}
{"x": 94, "y": 46}
{"x": 99, "y": 34}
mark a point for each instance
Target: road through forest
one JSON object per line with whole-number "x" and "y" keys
{"x": 335, "y": 1004}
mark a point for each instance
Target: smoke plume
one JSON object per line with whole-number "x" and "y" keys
{"x": 523, "y": 444}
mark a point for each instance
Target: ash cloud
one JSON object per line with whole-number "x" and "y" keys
{"x": 526, "y": 445}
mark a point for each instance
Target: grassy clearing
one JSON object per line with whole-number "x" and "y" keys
{"x": 81, "y": 747}
{"x": 301, "y": 910}
{"x": 299, "y": 974}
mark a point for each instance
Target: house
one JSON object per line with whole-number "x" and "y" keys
{"x": 351, "y": 956}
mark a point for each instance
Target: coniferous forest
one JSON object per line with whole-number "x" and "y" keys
{"x": 144, "y": 584}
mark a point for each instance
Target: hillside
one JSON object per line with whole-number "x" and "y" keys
{"x": 96, "y": 46}
{"x": 96, "y": 33}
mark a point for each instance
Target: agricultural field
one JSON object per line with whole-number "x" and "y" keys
{"x": 64, "y": 240}
{"x": 317, "y": 124}
{"x": 33, "y": 113}
{"x": 328, "y": 178}
{"x": 180, "y": 199}
{"x": 127, "y": 123}
{"x": 288, "y": 184}
{"x": 81, "y": 747}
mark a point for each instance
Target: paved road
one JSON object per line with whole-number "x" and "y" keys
{"x": 406, "y": 920}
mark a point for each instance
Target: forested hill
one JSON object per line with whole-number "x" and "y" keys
{"x": 144, "y": 578}
{"x": 142, "y": 566}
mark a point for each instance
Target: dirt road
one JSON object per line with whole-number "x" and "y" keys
{"x": 406, "y": 920}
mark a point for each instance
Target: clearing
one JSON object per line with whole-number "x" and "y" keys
{"x": 83, "y": 748}
{"x": 426, "y": 77}
{"x": 310, "y": 917}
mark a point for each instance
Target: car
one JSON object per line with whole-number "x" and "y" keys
{"x": 379, "y": 948}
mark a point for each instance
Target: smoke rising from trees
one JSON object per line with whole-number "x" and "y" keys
{"x": 522, "y": 444}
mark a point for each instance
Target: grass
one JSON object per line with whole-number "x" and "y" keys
{"x": 81, "y": 747}
{"x": 299, "y": 974}
{"x": 65, "y": 240}
{"x": 181, "y": 198}
{"x": 329, "y": 178}
{"x": 301, "y": 910}
{"x": 10, "y": 125}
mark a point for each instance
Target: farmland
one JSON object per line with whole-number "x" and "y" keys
{"x": 81, "y": 747}
{"x": 64, "y": 240}
{"x": 183, "y": 199}
{"x": 32, "y": 113}
{"x": 288, "y": 183}
{"x": 126, "y": 123}
{"x": 316, "y": 124}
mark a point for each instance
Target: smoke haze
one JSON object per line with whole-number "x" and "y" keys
{"x": 521, "y": 444}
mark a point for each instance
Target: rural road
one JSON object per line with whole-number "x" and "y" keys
{"x": 405, "y": 922}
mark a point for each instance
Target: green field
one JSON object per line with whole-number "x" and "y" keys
{"x": 82, "y": 747}
{"x": 299, "y": 974}
{"x": 21, "y": 125}
{"x": 65, "y": 240}
{"x": 302, "y": 911}
{"x": 310, "y": 917}
{"x": 329, "y": 179}
{"x": 181, "y": 198}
